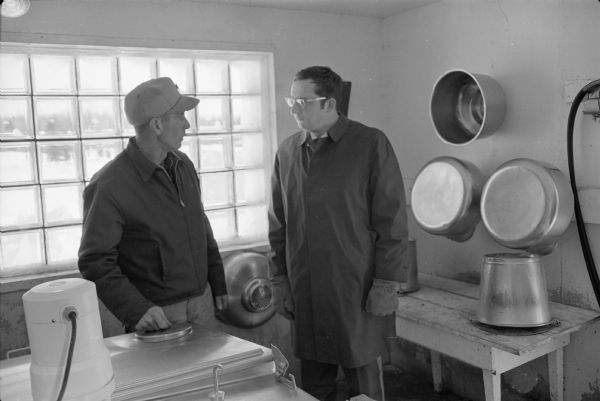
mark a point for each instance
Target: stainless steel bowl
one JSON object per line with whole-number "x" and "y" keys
{"x": 445, "y": 198}
{"x": 466, "y": 106}
{"x": 513, "y": 291}
{"x": 527, "y": 205}
{"x": 250, "y": 294}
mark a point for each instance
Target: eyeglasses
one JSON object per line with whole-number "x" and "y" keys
{"x": 301, "y": 102}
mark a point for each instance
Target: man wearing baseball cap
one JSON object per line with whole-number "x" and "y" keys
{"x": 146, "y": 242}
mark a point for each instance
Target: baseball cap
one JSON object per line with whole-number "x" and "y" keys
{"x": 155, "y": 98}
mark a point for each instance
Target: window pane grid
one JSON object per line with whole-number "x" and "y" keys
{"x": 60, "y": 128}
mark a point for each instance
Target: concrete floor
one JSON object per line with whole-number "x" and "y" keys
{"x": 404, "y": 386}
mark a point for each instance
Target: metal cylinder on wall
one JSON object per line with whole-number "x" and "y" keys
{"x": 445, "y": 198}
{"x": 527, "y": 205}
{"x": 466, "y": 106}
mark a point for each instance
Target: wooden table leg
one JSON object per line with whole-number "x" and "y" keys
{"x": 436, "y": 370}
{"x": 556, "y": 375}
{"x": 491, "y": 384}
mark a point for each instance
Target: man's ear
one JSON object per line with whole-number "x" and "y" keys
{"x": 156, "y": 125}
{"x": 331, "y": 104}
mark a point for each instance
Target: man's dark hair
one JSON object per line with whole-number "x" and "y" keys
{"x": 327, "y": 82}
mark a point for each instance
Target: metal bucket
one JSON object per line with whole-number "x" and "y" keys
{"x": 466, "y": 106}
{"x": 527, "y": 205}
{"x": 513, "y": 291}
{"x": 445, "y": 198}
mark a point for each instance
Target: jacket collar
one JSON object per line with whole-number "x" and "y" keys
{"x": 339, "y": 128}
{"x": 143, "y": 165}
{"x": 336, "y": 132}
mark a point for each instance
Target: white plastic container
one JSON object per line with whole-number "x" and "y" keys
{"x": 49, "y": 330}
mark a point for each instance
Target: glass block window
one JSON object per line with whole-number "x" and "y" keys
{"x": 62, "y": 119}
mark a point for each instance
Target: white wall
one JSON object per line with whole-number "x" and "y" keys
{"x": 531, "y": 48}
{"x": 349, "y": 45}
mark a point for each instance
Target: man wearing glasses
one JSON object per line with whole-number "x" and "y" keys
{"x": 338, "y": 235}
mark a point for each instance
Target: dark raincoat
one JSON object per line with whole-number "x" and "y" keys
{"x": 337, "y": 221}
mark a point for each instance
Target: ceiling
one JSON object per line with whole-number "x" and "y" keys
{"x": 367, "y": 8}
{"x": 370, "y": 8}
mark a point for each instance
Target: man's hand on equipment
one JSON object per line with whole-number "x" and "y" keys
{"x": 282, "y": 296}
{"x": 154, "y": 319}
{"x": 383, "y": 297}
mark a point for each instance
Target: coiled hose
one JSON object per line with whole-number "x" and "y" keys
{"x": 583, "y": 238}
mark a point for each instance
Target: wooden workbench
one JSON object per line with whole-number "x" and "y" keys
{"x": 441, "y": 316}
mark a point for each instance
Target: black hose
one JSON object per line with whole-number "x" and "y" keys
{"x": 73, "y": 317}
{"x": 583, "y": 238}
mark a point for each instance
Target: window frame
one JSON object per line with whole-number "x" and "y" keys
{"x": 266, "y": 94}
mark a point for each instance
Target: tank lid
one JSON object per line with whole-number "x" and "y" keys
{"x": 58, "y": 289}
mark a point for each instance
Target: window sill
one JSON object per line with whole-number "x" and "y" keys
{"x": 25, "y": 282}
{"x": 22, "y": 283}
